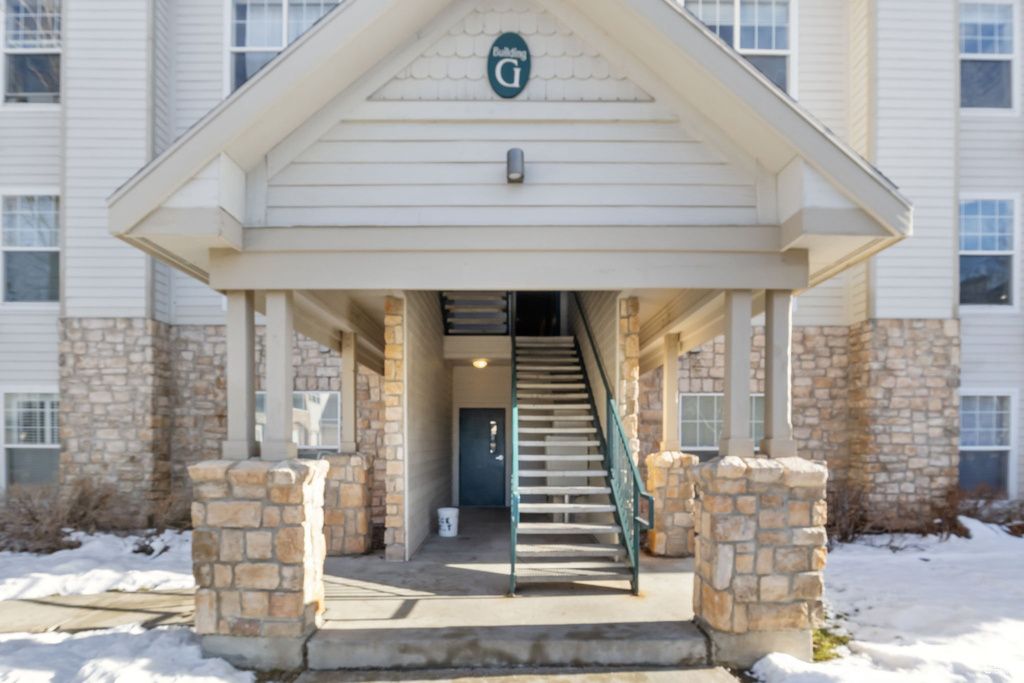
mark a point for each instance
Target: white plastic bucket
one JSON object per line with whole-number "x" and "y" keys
{"x": 448, "y": 522}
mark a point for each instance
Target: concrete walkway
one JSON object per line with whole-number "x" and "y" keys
{"x": 449, "y": 608}
{"x": 708, "y": 675}
{"x": 73, "y": 613}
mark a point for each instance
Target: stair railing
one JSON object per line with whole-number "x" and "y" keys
{"x": 626, "y": 484}
{"x": 515, "y": 450}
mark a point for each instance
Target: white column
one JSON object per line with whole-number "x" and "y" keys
{"x": 280, "y": 380}
{"x": 778, "y": 379}
{"x": 670, "y": 396}
{"x": 736, "y": 439}
{"x": 241, "y": 376}
{"x": 349, "y": 372}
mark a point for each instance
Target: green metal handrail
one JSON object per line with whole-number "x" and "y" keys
{"x": 515, "y": 448}
{"x": 626, "y": 484}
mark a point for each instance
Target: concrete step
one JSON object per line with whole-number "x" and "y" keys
{"x": 563, "y": 572}
{"x": 604, "y": 645}
{"x": 558, "y": 430}
{"x": 564, "y": 386}
{"x": 564, "y": 508}
{"x": 560, "y": 528}
{"x": 552, "y": 397}
{"x": 529, "y": 550}
{"x": 547, "y": 377}
{"x": 556, "y": 418}
{"x": 547, "y": 368}
{"x": 559, "y": 444}
{"x": 561, "y": 474}
{"x": 562, "y": 458}
{"x": 564, "y": 490}
{"x": 554, "y": 406}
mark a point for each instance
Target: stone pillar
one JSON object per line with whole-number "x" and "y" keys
{"x": 778, "y": 375}
{"x": 736, "y": 438}
{"x": 115, "y": 410}
{"x": 629, "y": 372}
{"x": 905, "y": 417}
{"x": 670, "y": 481}
{"x": 394, "y": 429}
{"x": 760, "y": 554}
{"x": 241, "y": 377}
{"x": 280, "y": 380}
{"x": 258, "y": 551}
{"x": 347, "y": 505}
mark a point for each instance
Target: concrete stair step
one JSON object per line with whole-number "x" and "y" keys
{"x": 556, "y": 418}
{"x": 561, "y": 572}
{"x": 558, "y": 430}
{"x": 601, "y": 645}
{"x": 553, "y": 406}
{"x": 564, "y": 490}
{"x": 560, "y": 528}
{"x": 559, "y": 444}
{"x": 551, "y": 385}
{"x": 547, "y": 368}
{"x": 547, "y": 377}
{"x": 597, "y": 457}
{"x": 561, "y": 474}
{"x": 565, "y": 508}
{"x": 569, "y": 550}
{"x": 552, "y": 397}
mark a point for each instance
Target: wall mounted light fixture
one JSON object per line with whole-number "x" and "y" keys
{"x": 480, "y": 364}
{"x": 516, "y": 166}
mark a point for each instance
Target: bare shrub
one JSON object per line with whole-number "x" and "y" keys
{"x": 37, "y": 519}
{"x": 173, "y": 512}
{"x": 991, "y": 506}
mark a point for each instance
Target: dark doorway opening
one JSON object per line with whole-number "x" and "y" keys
{"x": 482, "y": 457}
{"x": 538, "y": 314}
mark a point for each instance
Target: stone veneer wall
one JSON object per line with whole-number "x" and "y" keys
{"x": 394, "y": 428}
{"x": 878, "y": 402}
{"x": 115, "y": 418}
{"x": 629, "y": 373}
{"x": 669, "y": 480}
{"x": 142, "y": 400}
{"x": 905, "y": 415}
{"x": 821, "y": 360}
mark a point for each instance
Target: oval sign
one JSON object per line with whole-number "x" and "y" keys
{"x": 509, "y": 65}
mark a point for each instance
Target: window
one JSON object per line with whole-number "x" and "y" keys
{"x": 987, "y": 236}
{"x": 701, "y": 418}
{"x": 985, "y": 442}
{"x": 316, "y": 419}
{"x": 260, "y": 29}
{"x": 31, "y": 248}
{"x": 763, "y": 36}
{"x": 31, "y": 439}
{"x": 32, "y": 44}
{"x": 986, "y": 55}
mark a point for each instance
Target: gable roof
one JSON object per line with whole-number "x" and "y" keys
{"x": 349, "y": 41}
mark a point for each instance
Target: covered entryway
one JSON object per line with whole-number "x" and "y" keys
{"x": 449, "y": 607}
{"x": 482, "y": 457}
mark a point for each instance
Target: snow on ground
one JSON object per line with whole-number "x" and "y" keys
{"x": 129, "y": 654}
{"x": 102, "y": 563}
{"x": 935, "y": 612}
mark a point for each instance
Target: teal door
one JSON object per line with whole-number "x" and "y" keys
{"x": 481, "y": 457}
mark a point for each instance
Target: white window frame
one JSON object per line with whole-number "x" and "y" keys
{"x": 1015, "y": 288}
{"x": 19, "y": 389}
{"x": 32, "y": 305}
{"x": 699, "y": 394}
{"x": 307, "y": 449}
{"x": 792, "y": 53}
{"x": 1013, "y": 455}
{"x": 4, "y": 51}
{"x": 1013, "y": 58}
{"x": 229, "y": 42}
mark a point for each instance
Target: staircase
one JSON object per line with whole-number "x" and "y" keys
{"x": 562, "y": 496}
{"x": 475, "y": 313}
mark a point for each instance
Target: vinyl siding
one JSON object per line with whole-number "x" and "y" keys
{"x": 916, "y": 122}
{"x": 991, "y": 161}
{"x": 194, "y": 303}
{"x": 825, "y": 305}
{"x": 163, "y": 75}
{"x": 602, "y": 312}
{"x": 28, "y": 347}
{"x": 428, "y": 408}
{"x": 107, "y": 104}
{"x": 199, "y": 60}
{"x": 30, "y": 147}
{"x": 861, "y": 64}
{"x": 822, "y": 61}
{"x": 582, "y": 173}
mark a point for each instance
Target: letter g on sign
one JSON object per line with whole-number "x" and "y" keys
{"x": 509, "y": 65}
